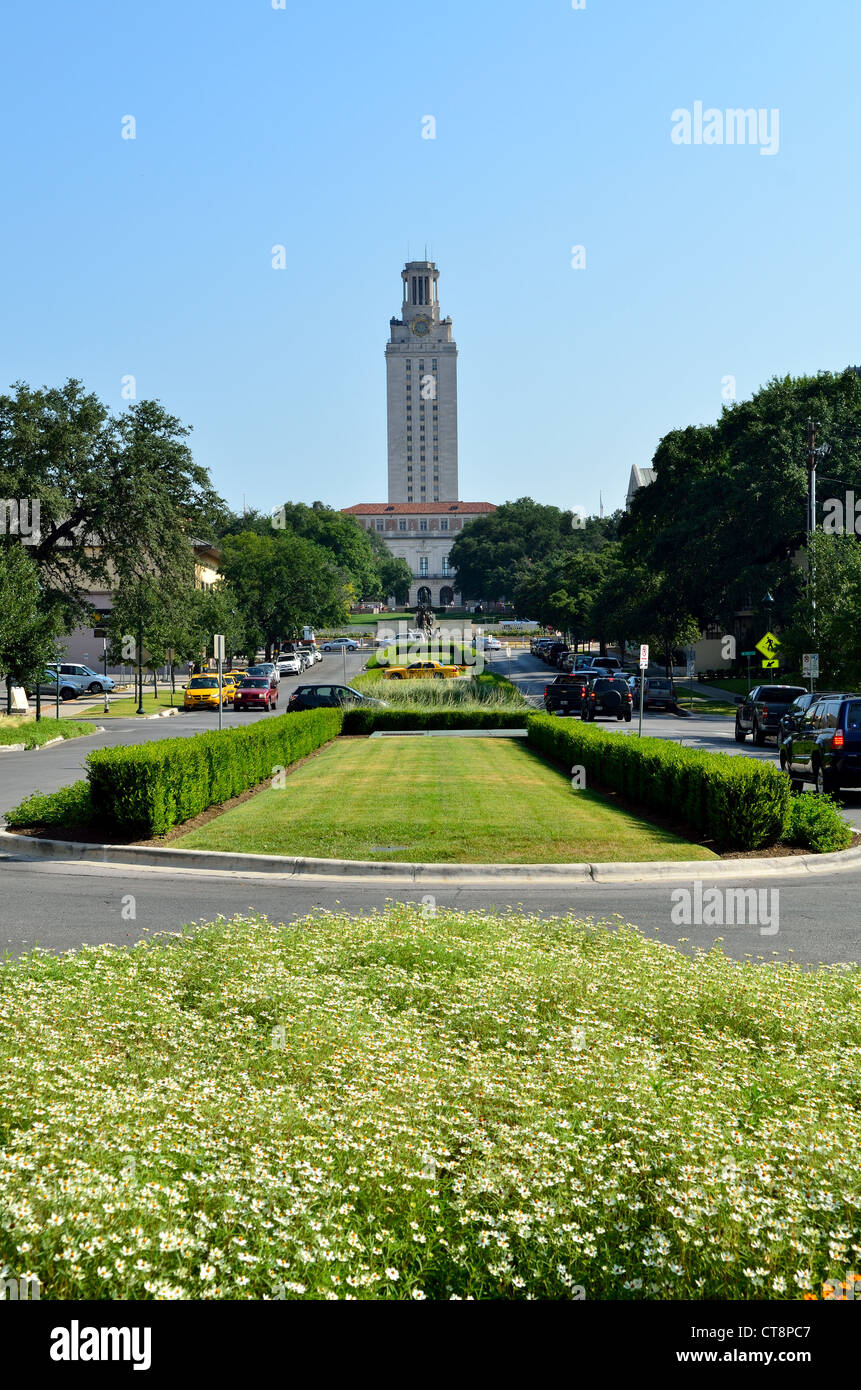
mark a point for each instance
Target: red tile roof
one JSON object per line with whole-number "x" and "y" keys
{"x": 419, "y": 508}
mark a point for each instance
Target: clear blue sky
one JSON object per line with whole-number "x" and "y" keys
{"x": 302, "y": 126}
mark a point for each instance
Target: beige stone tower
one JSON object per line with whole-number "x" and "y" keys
{"x": 421, "y": 385}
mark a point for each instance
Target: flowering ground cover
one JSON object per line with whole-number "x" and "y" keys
{"x": 438, "y": 800}
{"x": 427, "y": 1104}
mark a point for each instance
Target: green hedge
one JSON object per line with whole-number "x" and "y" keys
{"x": 814, "y": 822}
{"x": 69, "y": 807}
{"x": 150, "y": 787}
{"x": 738, "y": 802}
{"x": 359, "y": 720}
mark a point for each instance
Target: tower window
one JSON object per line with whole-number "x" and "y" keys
{"x": 423, "y": 524}
{"x": 402, "y": 525}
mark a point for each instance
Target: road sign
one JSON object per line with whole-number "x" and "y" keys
{"x": 769, "y": 665}
{"x": 692, "y": 666}
{"x": 768, "y": 645}
{"x": 218, "y": 646}
{"x": 810, "y": 664}
{"x": 748, "y": 653}
{"x": 644, "y": 656}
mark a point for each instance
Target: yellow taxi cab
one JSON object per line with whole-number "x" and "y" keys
{"x": 422, "y": 670}
{"x": 229, "y": 683}
{"x": 202, "y": 693}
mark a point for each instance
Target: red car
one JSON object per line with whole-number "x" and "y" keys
{"x": 256, "y": 692}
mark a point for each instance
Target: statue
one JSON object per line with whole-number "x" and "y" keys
{"x": 425, "y": 618}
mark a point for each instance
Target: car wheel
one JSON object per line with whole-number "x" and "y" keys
{"x": 620, "y": 717}
{"x": 825, "y": 782}
{"x": 758, "y": 735}
{"x": 95, "y": 687}
{"x": 67, "y": 693}
{"x": 628, "y": 717}
{"x": 740, "y": 734}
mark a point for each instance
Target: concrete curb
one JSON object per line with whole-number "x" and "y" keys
{"x": 468, "y": 875}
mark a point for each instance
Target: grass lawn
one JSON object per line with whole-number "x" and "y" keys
{"x": 436, "y": 800}
{"x": 124, "y": 707}
{"x": 24, "y": 729}
{"x": 703, "y": 704}
{"x": 427, "y": 1104}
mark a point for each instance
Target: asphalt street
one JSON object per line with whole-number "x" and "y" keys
{"x": 63, "y": 905}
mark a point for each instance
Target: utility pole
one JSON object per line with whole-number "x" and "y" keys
{"x": 811, "y": 520}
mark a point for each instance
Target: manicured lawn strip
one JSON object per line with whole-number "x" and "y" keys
{"x": 34, "y": 734}
{"x": 436, "y": 800}
{"x": 425, "y": 1103}
{"x": 122, "y": 709}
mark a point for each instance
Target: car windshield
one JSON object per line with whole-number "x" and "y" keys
{"x": 203, "y": 683}
{"x": 259, "y": 670}
{"x": 605, "y": 684}
{"x": 781, "y": 693}
{"x": 256, "y": 684}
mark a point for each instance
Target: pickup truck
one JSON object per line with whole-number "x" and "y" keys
{"x": 564, "y": 695}
{"x": 759, "y": 713}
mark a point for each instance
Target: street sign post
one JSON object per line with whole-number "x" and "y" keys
{"x": 644, "y": 661}
{"x": 769, "y": 645}
{"x": 218, "y": 652}
{"x": 810, "y": 667}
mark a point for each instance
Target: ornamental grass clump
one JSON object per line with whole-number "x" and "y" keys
{"x": 427, "y": 1104}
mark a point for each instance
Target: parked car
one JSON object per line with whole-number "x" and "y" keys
{"x": 657, "y": 691}
{"x": 70, "y": 686}
{"x": 264, "y": 668}
{"x": 257, "y": 692}
{"x": 564, "y": 695}
{"x": 422, "y": 670}
{"x": 311, "y": 652}
{"x": 290, "y": 664}
{"x": 759, "y": 713}
{"x": 536, "y": 643}
{"x": 202, "y": 693}
{"x": 335, "y": 644}
{"x": 94, "y": 681}
{"x": 826, "y": 749}
{"x": 492, "y": 644}
{"x": 606, "y": 696}
{"x": 329, "y": 697}
{"x": 793, "y": 719}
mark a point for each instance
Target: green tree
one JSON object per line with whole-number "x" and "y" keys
{"x": 282, "y": 581}
{"x": 27, "y": 629}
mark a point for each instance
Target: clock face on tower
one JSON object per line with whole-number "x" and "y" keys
{"x": 421, "y": 327}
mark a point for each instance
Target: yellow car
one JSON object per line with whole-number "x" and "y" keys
{"x": 202, "y": 693}
{"x": 422, "y": 670}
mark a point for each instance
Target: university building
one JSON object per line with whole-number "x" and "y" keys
{"x": 423, "y": 515}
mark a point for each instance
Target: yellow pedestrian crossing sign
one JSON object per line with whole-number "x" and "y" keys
{"x": 769, "y": 645}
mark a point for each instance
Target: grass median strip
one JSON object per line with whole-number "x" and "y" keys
{"x": 437, "y": 801}
{"x": 34, "y": 733}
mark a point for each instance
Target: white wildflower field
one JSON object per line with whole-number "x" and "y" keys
{"x": 424, "y": 1104}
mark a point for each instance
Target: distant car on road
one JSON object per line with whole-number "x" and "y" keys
{"x": 657, "y": 690}
{"x": 492, "y": 644}
{"x": 759, "y": 713}
{"x": 264, "y": 668}
{"x": 826, "y": 749}
{"x": 70, "y": 686}
{"x": 565, "y": 694}
{"x": 422, "y": 670}
{"x": 257, "y": 692}
{"x": 336, "y": 644}
{"x": 290, "y": 664}
{"x": 329, "y": 697}
{"x": 608, "y": 696}
{"x": 202, "y": 693}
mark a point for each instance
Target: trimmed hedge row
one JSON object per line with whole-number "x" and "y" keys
{"x": 69, "y": 807}
{"x": 738, "y": 802}
{"x": 359, "y": 720}
{"x": 148, "y": 788}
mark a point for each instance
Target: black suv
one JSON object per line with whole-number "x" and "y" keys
{"x": 329, "y": 697}
{"x": 826, "y": 749}
{"x": 609, "y": 696}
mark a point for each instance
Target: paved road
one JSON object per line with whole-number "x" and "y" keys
{"x": 61, "y": 906}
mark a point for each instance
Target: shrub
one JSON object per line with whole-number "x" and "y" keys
{"x": 69, "y": 807}
{"x": 477, "y": 691}
{"x": 363, "y": 720}
{"x": 736, "y": 801}
{"x": 149, "y": 788}
{"x": 814, "y": 822}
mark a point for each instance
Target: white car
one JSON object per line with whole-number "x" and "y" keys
{"x": 290, "y": 665}
{"x": 336, "y": 643}
{"x": 492, "y": 644}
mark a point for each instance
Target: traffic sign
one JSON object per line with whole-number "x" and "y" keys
{"x": 769, "y": 665}
{"x": 748, "y": 653}
{"x": 218, "y": 644}
{"x": 768, "y": 645}
{"x": 644, "y": 656}
{"x": 810, "y": 664}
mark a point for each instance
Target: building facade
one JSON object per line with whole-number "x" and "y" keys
{"x": 422, "y": 533}
{"x": 421, "y": 393}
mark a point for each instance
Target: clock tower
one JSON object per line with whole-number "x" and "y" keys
{"x": 421, "y": 384}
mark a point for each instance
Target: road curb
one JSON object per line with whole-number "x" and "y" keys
{"x": 468, "y": 875}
